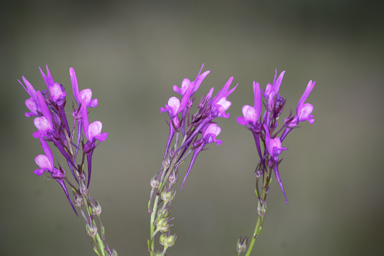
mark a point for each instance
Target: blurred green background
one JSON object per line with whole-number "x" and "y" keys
{"x": 131, "y": 53}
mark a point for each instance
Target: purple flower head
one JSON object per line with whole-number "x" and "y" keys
{"x": 274, "y": 149}
{"x": 46, "y": 163}
{"x": 33, "y": 102}
{"x": 304, "y": 111}
{"x": 44, "y": 123}
{"x": 220, "y": 103}
{"x": 32, "y": 106}
{"x": 209, "y": 133}
{"x": 251, "y": 114}
{"x": 174, "y": 106}
{"x": 273, "y": 145}
{"x": 56, "y": 90}
{"x": 85, "y": 94}
{"x": 272, "y": 90}
{"x": 183, "y": 88}
{"x": 92, "y": 131}
{"x": 186, "y": 83}
{"x": 47, "y": 78}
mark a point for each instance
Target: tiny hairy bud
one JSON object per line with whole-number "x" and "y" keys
{"x": 96, "y": 209}
{"x": 164, "y": 213}
{"x": 78, "y": 200}
{"x": 91, "y": 231}
{"x": 167, "y": 240}
{"x": 262, "y": 209}
{"x": 163, "y": 225}
{"x": 154, "y": 182}
{"x": 173, "y": 177}
{"x": 242, "y": 244}
{"x": 83, "y": 189}
{"x": 167, "y": 196}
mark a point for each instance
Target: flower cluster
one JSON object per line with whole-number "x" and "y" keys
{"x": 48, "y": 107}
{"x": 264, "y": 129}
{"x": 265, "y": 133}
{"x": 197, "y": 130}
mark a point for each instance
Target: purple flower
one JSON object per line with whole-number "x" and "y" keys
{"x": 220, "y": 103}
{"x": 56, "y": 90}
{"x": 92, "y": 131}
{"x": 186, "y": 83}
{"x": 85, "y": 94}
{"x": 32, "y": 103}
{"x": 274, "y": 149}
{"x": 304, "y": 111}
{"x": 273, "y": 145}
{"x": 46, "y": 164}
{"x": 272, "y": 90}
{"x": 209, "y": 133}
{"x": 44, "y": 123}
{"x": 251, "y": 114}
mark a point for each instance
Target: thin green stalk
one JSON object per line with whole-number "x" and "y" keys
{"x": 152, "y": 226}
{"x": 260, "y": 218}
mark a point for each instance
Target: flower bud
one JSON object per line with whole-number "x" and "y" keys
{"x": 154, "y": 182}
{"x": 262, "y": 209}
{"x": 167, "y": 240}
{"x": 164, "y": 213}
{"x": 91, "y": 231}
{"x": 168, "y": 196}
{"x": 83, "y": 189}
{"x": 173, "y": 177}
{"x": 163, "y": 225}
{"x": 166, "y": 163}
{"x": 96, "y": 209}
{"x": 242, "y": 244}
{"x": 78, "y": 200}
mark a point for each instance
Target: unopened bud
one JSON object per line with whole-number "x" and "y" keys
{"x": 168, "y": 196}
{"x": 242, "y": 244}
{"x": 262, "y": 209}
{"x": 96, "y": 208}
{"x": 91, "y": 231}
{"x": 163, "y": 225}
{"x": 164, "y": 213}
{"x": 167, "y": 241}
{"x": 78, "y": 200}
{"x": 114, "y": 253}
{"x": 83, "y": 189}
{"x": 173, "y": 177}
{"x": 154, "y": 182}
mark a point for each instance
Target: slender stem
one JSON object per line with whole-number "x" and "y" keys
{"x": 152, "y": 230}
{"x": 260, "y": 218}
{"x": 254, "y": 236}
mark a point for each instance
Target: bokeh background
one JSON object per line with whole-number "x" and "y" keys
{"x": 131, "y": 53}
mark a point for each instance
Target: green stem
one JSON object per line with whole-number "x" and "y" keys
{"x": 260, "y": 218}
{"x": 254, "y": 236}
{"x": 152, "y": 230}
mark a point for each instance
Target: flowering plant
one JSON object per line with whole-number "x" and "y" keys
{"x": 188, "y": 134}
